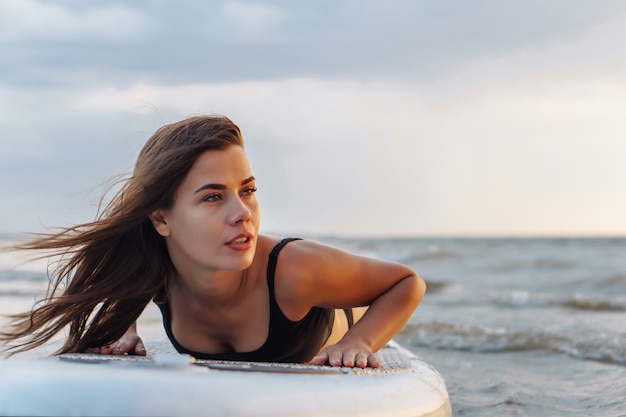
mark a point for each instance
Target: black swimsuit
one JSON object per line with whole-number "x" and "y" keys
{"x": 287, "y": 341}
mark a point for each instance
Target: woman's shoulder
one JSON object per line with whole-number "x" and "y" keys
{"x": 291, "y": 270}
{"x": 265, "y": 245}
{"x": 292, "y": 251}
{"x": 300, "y": 261}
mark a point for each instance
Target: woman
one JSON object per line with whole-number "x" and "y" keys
{"x": 183, "y": 231}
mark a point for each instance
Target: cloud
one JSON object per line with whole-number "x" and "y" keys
{"x": 231, "y": 41}
{"x": 511, "y": 154}
{"x": 539, "y": 153}
{"x": 308, "y": 139}
{"x": 594, "y": 46}
{"x": 251, "y": 22}
{"x": 31, "y": 20}
{"x": 360, "y": 118}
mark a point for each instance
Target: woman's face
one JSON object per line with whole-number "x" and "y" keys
{"x": 214, "y": 222}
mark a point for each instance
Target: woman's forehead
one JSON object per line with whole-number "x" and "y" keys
{"x": 230, "y": 164}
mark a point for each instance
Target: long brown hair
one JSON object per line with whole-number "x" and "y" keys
{"x": 111, "y": 268}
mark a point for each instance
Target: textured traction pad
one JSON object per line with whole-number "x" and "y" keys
{"x": 392, "y": 360}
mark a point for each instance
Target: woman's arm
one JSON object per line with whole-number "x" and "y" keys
{"x": 385, "y": 317}
{"x": 316, "y": 275}
{"x": 129, "y": 343}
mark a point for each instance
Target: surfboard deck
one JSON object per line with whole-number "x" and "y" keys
{"x": 166, "y": 383}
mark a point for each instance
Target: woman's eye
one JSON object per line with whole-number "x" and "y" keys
{"x": 212, "y": 198}
{"x": 249, "y": 190}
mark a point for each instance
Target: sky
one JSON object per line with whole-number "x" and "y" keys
{"x": 361, "y": 118}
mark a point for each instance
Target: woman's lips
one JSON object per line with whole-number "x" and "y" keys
{"x": 240, "y": 242}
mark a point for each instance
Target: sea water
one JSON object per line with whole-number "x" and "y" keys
{"x": 517, "y": 326}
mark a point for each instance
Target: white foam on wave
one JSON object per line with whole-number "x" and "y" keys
{"x": 577, "y": 301}
{"x": 477, "y": 338}
{"x": 22, "y": 260}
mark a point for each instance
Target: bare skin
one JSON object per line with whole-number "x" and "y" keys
{"x": 219, "y": 301}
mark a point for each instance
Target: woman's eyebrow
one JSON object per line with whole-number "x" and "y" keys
{"x": 247, "y": 180}
{"x": 213, "y": 186}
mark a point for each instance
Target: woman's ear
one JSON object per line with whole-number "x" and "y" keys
{"x": 157, "y": 218}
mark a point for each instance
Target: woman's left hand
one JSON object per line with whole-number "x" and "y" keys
{"x": 347, "y": 354}
{"x": 314, "y": 275}
{"x": 129, "y": 343}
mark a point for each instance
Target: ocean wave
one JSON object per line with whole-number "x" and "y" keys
{"x": 587, "y": 302}
{"x": 615, "y": 281}
{"x": 581, "y": 302}
{"x": 399, "y": 250}
{"x": 436, "y": 286}
{"x": 22, "y": 288}
{"x": 539, "y": 264}
{"x": 452, "y": 336}
{"x": 434, "y": 252}
{"x": 19, "y": 294}
{"x": 411, "y": 255}
{"x": 23, "y": 276}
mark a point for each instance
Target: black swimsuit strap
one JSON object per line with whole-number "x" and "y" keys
{"x": 273, "y": 259}
{"x": 271, "y": 270}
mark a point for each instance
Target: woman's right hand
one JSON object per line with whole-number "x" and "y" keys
{"x": 129, "y": 343}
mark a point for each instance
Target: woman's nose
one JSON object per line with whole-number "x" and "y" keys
{"x": 240, "y": 212}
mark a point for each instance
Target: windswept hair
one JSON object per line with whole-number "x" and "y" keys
{"x": 111, "y": 268}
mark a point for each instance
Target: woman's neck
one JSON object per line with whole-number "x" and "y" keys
{"x": 214, "y": 289}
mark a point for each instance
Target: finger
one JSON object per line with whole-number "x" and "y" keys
{"x": 349, "y": 358}
{"x": 119, "y": 348}
{"x": 105, "y": 350}
{"x": 321, "y": 358}
{"x": 335, "y": 358}
{"x": 372, "y": 361}
{"x": 140, "y": 349}
{"x": 361, "y": 360}
{"x": 95, "y": 350}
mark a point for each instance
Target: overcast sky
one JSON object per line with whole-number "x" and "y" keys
{"x": 415, "y": 117}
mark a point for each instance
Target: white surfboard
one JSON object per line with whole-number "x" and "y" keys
{"x": 168, "y": 384}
